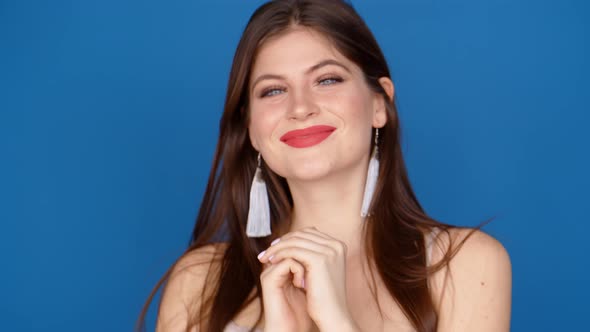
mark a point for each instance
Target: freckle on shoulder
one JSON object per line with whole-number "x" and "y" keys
{"x": 480, "y": 261}
{"x": 478, "y": 252}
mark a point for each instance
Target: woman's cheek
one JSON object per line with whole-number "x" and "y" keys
{"x": 263, "y": 125}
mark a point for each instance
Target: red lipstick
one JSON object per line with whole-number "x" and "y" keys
{"x": 310, "y": 136}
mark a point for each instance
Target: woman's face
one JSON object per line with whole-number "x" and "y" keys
{"x": 299, "y": 81}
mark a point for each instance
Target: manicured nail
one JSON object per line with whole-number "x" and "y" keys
{"x": 270, "y": 258}
{"x": 275, "y": 241}
{"x": 261, "y": 254}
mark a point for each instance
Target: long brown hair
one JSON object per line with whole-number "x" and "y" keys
{"x": 395, "y": 231}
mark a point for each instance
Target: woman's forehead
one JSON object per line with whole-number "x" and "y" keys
{"x": 295, "y": 51}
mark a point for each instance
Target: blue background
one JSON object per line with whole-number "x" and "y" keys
{"x": 109, "y": 113}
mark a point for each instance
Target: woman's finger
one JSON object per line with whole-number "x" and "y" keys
{"x": 333, "y": 242}
{"x": 307, "y": 258}
{"x": 293, "y": 241}
{"x": 283, "y": 272}
{"x": 303, "y": 240}
{"x": 310, "y": 233}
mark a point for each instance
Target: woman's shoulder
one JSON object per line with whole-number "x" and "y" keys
{"x": 199, "y": 260}
{"x": 186, "y": 283}
{"x": 477, "y": 277}
{"x": 204, "y": 253}
{"x": 468, "y": 243}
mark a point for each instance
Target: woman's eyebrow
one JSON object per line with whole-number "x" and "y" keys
{"x": 325, "y": 63}
{"x": 307, "y": 72}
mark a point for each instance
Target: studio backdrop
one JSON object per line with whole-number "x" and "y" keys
{"x": 109, "y": 115}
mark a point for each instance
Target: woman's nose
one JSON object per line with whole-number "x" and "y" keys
{"x": 302, "y": 105}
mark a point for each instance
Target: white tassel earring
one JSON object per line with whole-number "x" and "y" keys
{"x": 372, "y": 174}
{"x": 259, "y": 211}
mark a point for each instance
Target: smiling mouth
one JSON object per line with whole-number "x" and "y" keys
{"x": 310, "y": 136}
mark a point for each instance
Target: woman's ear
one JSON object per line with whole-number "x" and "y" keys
{"x": 387, "y": 85}
{"x": 380, "y": 115}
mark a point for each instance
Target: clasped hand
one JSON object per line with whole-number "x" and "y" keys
{"x": 304, "y": 279}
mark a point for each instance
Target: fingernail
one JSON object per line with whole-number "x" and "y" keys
{"x": 275, "y": 241}
{"x": 261, "y": 254}
{"x": 270, "y": 258}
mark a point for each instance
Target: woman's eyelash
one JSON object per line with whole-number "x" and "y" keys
{"x": 268, "y": 92}
{"x": 331, "y": 78}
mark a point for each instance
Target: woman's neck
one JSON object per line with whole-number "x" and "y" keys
{"x": 332, "y": 205}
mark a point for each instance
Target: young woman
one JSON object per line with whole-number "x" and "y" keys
{"x": 324, "y": 232}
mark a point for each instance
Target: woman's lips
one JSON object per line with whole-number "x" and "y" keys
{"x": 310, "y": 136}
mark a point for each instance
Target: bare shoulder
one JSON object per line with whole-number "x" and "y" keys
{"x": 199, "y": 260}
{"x": 186, "y": 285}
{"x": 470, "y": 245}
{"x": 473, "y": 292}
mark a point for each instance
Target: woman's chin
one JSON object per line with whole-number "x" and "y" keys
{"x": 308, "y": 174}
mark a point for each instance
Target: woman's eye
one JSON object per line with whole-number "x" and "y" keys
{"x": 271, "y": 92}
{"x": 330, "y": 80}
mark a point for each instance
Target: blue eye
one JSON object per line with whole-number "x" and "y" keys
{"x": 277, "y": 90}
{"x": 272, "y": 91}
{"x": 330, "y": 80}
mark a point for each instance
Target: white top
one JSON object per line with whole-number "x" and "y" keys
{"x": 233, "y": 327}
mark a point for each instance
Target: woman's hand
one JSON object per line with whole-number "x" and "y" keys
{"x": 324, "y": 261}
{"x": 283, "y": 296}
